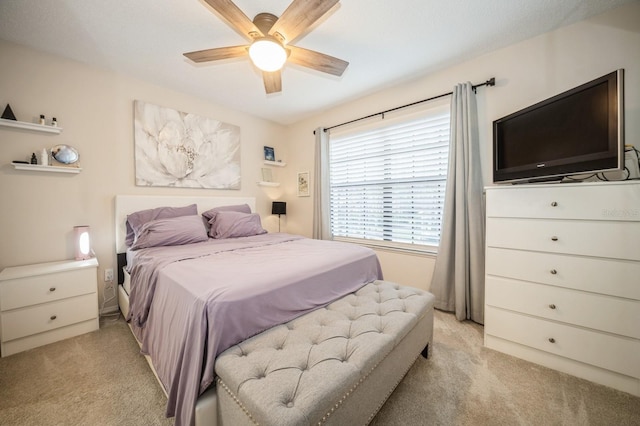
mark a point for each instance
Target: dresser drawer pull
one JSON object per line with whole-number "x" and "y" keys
{"x": 553, "y": 272}
{"x": 53, "y": 317}
{"x": 554, "y": 204}
{"x": 552, "y": 340}
{"x": 554, "y": 238}
{"x": 552, "y": 306}
{"x": 52, "y": 289}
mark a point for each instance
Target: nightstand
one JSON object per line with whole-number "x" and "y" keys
{"x": 47, "y": 302}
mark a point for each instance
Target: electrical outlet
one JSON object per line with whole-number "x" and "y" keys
{"x": 108, "y": 275}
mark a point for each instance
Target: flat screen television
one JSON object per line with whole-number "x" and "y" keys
{"x": 576, "y": 132}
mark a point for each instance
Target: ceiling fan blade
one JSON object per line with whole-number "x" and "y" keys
{"x": 236, "y": 18}
{"x": 299, "y": 16}
{"x": 217, "y": 53}
{"x": 317, "y": 61}
{"x": 272, "y": 81}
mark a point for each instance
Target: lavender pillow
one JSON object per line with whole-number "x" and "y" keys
{"x": 230, "y": 224}
{"x": 243, "y": 208}
{"x": 137, "y": 219}
{"x": 173, "y": 231}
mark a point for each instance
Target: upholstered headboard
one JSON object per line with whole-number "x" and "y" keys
{"x": 127, "y": 204}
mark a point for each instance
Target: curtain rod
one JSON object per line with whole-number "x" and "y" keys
{"x": 490, "y": 82}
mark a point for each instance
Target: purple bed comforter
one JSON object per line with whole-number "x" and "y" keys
{"x": 189, "y": 303}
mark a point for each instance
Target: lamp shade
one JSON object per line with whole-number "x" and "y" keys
{"x": 279, "y": 207}
{"x": 82, "y": 242}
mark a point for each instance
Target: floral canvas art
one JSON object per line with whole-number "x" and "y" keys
{"x": 179, "y": 149}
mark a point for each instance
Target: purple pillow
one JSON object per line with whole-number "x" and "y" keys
{"x": 243, "y": 208}
{"x": 173, "y": 231}
{"x": 137, "y": 219}
{"x": 230, "y": 224}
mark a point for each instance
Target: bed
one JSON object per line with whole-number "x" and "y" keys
{"x": 187, "y": 303}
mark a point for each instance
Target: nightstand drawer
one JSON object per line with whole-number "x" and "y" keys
{"x": 604, "y": 276}
{"x": 604, "y": 350}
{"x": 563, "y": 305}
{"x": 618, "y": 240}
{"x": 20, "y": 292}
{"x": 36, "y": 319}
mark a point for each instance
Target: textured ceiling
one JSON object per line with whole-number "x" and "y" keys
{"x": 385, "y": 41}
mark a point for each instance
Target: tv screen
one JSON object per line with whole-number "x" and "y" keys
{"x": 576, "y": 132}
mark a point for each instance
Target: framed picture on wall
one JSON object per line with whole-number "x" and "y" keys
{"x": 266, "y": 175}
{"x": 303, "y": 184}
{"x": 269, "y": 154}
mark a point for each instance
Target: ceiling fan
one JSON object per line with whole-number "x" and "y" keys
{"x": 270, "y": 37}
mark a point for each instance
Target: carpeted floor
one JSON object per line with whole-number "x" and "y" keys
{"x": 100, "y": 379}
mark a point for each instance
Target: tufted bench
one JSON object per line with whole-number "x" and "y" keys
{"x": 335, "y": 365}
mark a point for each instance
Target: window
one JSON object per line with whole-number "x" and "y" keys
{"x": 388, "y": 182}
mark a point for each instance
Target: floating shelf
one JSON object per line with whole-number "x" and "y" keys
{"x": 50, "y": 169}
{"x": 30, "y": 126}
{"x": 274, "y": 184}
{"x": 275, "y": 163}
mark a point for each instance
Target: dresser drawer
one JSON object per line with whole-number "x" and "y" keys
{"x": 36, "y": 319}
{"x": 604, "y": 350}
{"x": 615, "y": 201}
{"x": 605, "y": 276}
{"x": 32, "y": 290}
{"x": 569, "y": 306}
{"x": 618, "y": 240}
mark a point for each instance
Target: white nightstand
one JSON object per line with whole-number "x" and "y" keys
{"x": 47, "y": 302}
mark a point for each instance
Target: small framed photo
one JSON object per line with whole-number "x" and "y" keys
{"x": 303, "y": 184}
{"x": 269, "y": 154}
{"x": 266, "y": 174}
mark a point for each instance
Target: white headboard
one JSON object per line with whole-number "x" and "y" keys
{"x": 127, "y": 204}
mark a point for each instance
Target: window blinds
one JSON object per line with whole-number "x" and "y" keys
{"x": 388, "y": 184}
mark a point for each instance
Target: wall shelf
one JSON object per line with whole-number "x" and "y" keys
{"x": 30, "y": 126}
{"x": 274, "y": 184}
{"x": 275, "y": 163}
{"x": 50, "y": 169}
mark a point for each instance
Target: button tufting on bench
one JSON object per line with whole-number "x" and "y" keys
{"x": 328, "y": 353}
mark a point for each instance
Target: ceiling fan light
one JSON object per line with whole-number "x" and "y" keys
{"x": 267, "y": 54}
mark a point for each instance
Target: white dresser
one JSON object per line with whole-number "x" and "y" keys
{"x": 563, "y": 278}
{"x": 47, "y": 302}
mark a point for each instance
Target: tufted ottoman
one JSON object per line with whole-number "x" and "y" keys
{"x": 335, "y": 365}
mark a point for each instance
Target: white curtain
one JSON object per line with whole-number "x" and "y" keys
{"x": 458, "y": 278}
{"x": 321, "y": 190}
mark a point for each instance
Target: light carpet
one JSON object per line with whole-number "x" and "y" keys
{"x": 101, "y": 379}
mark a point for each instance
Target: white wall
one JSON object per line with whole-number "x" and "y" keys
{"x": 526, "y": 72}
{"x": 95, "y": 109}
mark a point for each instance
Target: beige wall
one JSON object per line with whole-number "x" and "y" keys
{"x": 525, "y": 72}
{"x": 95, "y": 109}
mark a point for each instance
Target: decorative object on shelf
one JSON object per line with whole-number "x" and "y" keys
{"x": 178, "y": 149}
{"x": 8, "y": 114}
{"x": 303, "y": 184}
{"x": 82, "y": 242}
{"x": 279, "y": 208}
{"x": 65, "y": 154}
{"x": 266, "y": 175}
{"x": 269, "y": 154}
{"x": 42, "y": 120}
{"x": 54, "y": 122}
{"x": 34, "y": 160}
{"x": 44, "y": 157}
